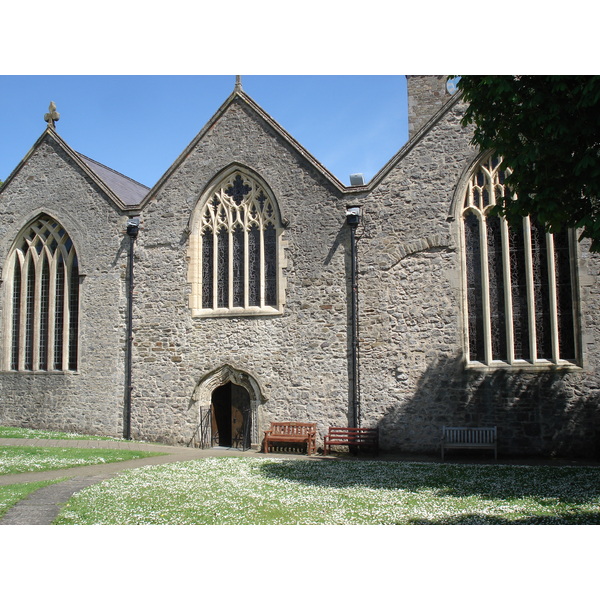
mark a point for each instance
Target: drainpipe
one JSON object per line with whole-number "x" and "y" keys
{"x": 353, "y": 220}
{"x": 133, "y": 225}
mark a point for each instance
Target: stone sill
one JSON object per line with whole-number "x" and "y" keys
{"x": 235, "y": 312}
{"x": 523, "y": 366}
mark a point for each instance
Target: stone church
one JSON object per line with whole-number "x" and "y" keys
{"x": 250, "y": 285}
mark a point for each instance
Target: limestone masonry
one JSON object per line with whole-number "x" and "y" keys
{"x": 241, "y": 304}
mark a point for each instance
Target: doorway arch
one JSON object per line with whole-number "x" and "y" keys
{"x": 231, "y": 397}
{"x": 231, "y": 416}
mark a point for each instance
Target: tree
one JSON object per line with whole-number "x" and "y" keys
{"x": 547, "y": 131}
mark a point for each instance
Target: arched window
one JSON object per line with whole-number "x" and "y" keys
{"x": 44, "y": 299}
{"x": 235, "y": 250}
{"x": 519, "y": 281}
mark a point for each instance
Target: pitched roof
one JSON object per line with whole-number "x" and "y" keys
{"x": 130, "y": 192}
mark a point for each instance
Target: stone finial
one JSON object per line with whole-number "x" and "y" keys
{"x": 52, "y": 116}
{"x": 238, "y": 83}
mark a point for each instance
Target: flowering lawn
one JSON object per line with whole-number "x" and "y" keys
{"x": 40, "y": 434}
{"x": 26, "y": 459}
{"x": 221, "y": 491}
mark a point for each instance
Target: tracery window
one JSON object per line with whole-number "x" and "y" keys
{"x": 44, "y": 299}
{"x": 519, "y": 282}
{"x": 234, "y": 250}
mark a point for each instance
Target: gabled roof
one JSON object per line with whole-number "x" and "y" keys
{"x": 129, "y": 191}
{"x": 239, "y": 96}
{"x": 123, "y": 191}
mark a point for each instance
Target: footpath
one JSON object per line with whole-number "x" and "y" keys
{"x": 42, "y": 506}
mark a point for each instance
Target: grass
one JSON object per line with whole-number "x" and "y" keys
{"x": 11, "y": 494}
{"x": 221, "y": 491}
{"x": 40, "y": 434}
{"x": 27, "y": 459}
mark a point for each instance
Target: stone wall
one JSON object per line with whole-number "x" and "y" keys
{"x": 91, "y": 399}
{"x": 413, "y": 374}
{"x": 299, "y": 358}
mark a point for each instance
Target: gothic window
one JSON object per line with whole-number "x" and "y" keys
{"x": 44, "y": 300}
{"x": 234, "y": 250}
{"x": 519, "y": 282}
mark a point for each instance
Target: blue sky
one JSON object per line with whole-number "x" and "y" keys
{"x": 138, "y": 125}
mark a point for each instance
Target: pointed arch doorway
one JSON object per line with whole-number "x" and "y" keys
{"x": 231, "y": 416}
{"x": 227, "y": 402}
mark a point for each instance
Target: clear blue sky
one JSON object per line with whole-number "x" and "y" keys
{"x": 138, "y": 125}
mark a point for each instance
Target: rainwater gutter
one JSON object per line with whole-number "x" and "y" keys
{"x": 133, "y": 225}
{"x": 353, "y": 220}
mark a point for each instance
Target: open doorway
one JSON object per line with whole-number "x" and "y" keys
{"x": 231, "y": 416}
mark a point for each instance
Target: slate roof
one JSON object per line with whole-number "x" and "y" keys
{"x": 130, "y": 192}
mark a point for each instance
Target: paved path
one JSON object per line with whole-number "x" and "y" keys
{"x": 42, "y": 506}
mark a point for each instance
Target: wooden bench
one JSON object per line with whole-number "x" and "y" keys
{"x": 353, "y": 437}
{"x": 469, "y": 437}
{"x": 291, "y": 432}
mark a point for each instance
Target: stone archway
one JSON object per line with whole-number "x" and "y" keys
{"x": 215, "y": 391}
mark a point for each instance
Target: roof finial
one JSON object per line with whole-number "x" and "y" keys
{"x": 238, "y": 83}
{"x": 52, "y": 116}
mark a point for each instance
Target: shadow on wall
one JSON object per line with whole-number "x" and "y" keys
{"x": 537, "y": 413}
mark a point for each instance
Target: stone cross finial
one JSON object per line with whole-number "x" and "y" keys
{"x": 52, "y": 116}
{"x": 238, "y": 83}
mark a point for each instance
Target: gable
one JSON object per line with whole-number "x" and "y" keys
{"x": 50, "y": 154}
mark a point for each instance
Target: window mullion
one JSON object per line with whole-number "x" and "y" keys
{"x": 51, "y": 311}
{"x": 67, "y": 315}
{"x": 530, "y": 289}
{"x": 215, "y": 266}
{"x": 37, "y": 313}
{"x": 508, "y": 304}
{"x": 246, "y": 264}
{"x": 230, "y": 259}
{"x": 552, "y": 294}
{"x": 23, "y": 312}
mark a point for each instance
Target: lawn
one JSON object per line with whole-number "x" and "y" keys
{"x": 27, "y": 459}
{"x": 40, "y": 434}
{"x": 220, "y": 491}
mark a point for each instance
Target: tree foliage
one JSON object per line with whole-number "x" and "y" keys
{"x": 547, "y": 130}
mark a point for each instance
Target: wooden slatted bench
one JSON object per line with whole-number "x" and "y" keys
{"x": 470, "y": 437}
{"x": 291, "y": 432}
{"x": 353, "y": 437}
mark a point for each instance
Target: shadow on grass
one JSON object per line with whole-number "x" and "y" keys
{"x": 547, "y": 485}
{"x": 579, "y": 518}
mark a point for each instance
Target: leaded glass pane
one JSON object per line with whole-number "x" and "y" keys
{"x": 44, "y": 305}
{"x": 474, "y": 289}
{"x": 254, "y": 266}
{"x": 29, "y": 316}
{"x": 73, "y": 314}
{"x": 16, "y": 316}
{"x": 564, "y": 296}
{"x": 270, "y": 265}
{"x": 59, "y": 312}
{"x": 207, "y": 269}
{"x": 496, "y": 288}
{"x": 238, "y": 267}
{"x": 541, "y": 290}
{"x": 223, "y": 269}
{"x": 518, "y": 287}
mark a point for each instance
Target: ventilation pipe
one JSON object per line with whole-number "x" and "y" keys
{"x": 133, "y": 226}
